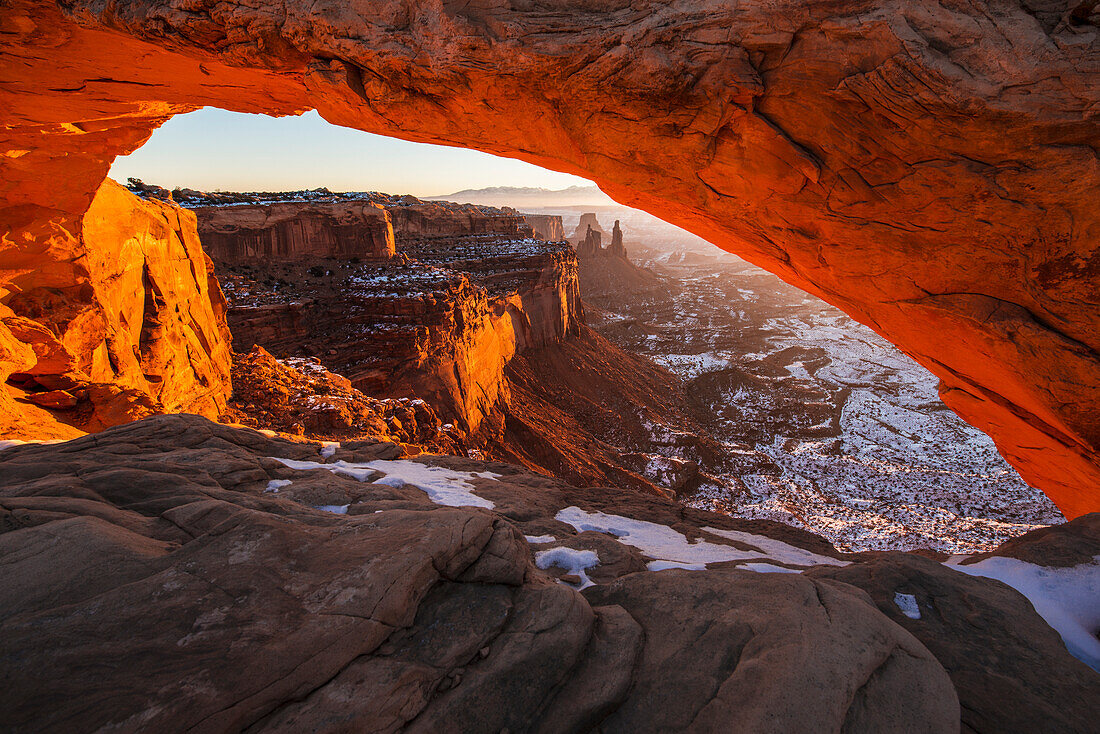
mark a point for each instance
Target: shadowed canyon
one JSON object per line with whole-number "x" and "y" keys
{"x": 362, "y": 461}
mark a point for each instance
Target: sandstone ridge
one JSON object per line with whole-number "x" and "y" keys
{"x": 133, "y": 324}
{"x": 299, "y": 593}
{"x": 931, "y": 170}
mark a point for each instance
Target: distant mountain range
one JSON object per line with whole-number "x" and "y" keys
{"x": 520, "y": 197}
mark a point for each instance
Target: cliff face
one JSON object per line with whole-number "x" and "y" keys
{"x": 432, "y": 219}
{"x": 291, "y": 231}
{"x": 244, "y": 228}
{"x": 135, "y": 323}
{"x": 441, "y": 328}
{"x": 546, "y": 226}
{"x": 931, "y": 170}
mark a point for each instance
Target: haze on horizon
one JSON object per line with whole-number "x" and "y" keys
{"x": 213, "y": 149}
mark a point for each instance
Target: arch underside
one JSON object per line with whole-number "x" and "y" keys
{"x": 931, "y": 170}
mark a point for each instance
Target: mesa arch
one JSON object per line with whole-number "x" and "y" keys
{"x": 930, "y": 168}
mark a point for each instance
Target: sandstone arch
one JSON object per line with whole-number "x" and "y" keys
{"x": 930, "y": 168}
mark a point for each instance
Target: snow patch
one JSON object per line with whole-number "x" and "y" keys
{"x": 777, "y": 550}
{"x": 665, "y": 565}
{"x": 571, "y": 560}
{"x": 334, "y": 509}
{"x": 907, "y": 603}
{"x": 536, "y": 539}
{"x": 1067, "y": 598}
{"x": 663, "y": 544}
{"x": 328, "y": 448}
{"x": 443, "y": 486}
{"x": 768, "y": 568}
{"x": 276, "y": 484}
{"x": 359, "y": 472}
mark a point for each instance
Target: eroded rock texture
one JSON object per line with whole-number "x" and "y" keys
{"x": 238, "y": 601}
{"x": 129, "y": 322}
{"x": 546, "y": 226}
{"x": 282, "y": 231}
{"x": 929, "y": 168}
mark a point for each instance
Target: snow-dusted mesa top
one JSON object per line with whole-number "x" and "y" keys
{"x": 443, "y": 486}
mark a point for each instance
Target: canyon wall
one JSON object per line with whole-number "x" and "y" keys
{"x": 436, "y": 219}
{"x": 417, "y": 329}
{"x": 133, "y": 323}
{"x": 288, "y": 231}
{"x": 546, "y": 226}
{"x": 930, "y": 169}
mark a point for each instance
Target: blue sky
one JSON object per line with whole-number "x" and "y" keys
{"x": 214, "y": 149}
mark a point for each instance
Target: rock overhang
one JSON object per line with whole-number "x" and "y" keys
{"x": 928, "y": 170}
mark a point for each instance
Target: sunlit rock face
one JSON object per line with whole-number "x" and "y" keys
{"x": 441, "y": 327}
{"x": 546, "y": 226}
{"x": 288, "y": 231}
{"x": 133, "y": 323}
{"x": 929, "y": 169}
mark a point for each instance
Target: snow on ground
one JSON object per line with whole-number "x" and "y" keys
{"x": 328, "y": 448}
{"x": 334, "y": 509}
{"x": 907, "y": 603}
{"x": 276, "y": 484}
{"x": 671, "y": 549}
{"x": 768, "y": 568}
{"x": 539, "y": 539}
{"x": 1067, "y": 598}
{"x": 777, "y": 550}
{"x": 443, "y": 486}
{"x": 574, "y": 562}
{"x": 830, "y": 428}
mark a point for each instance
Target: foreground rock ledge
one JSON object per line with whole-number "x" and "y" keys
{"x": 152, "y": 584}
{"x": 930, "y": 169}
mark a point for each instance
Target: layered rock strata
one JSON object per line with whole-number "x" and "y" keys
{"x": 487, "y": 330}
{"x": 546, "y": 226}
{"x": 588, "y": 221}
{"x": 291, "y": 231}
{"x": 306, "y": 592}
{"x": 131, "y": 323}
{"x": 929, "y": 169}
{"x": 440, "y": 327}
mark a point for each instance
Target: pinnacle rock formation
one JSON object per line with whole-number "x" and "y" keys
{"x": 929, "y": 168}
{"x": 591, "y": 245}
{"x": 616, "y": 248}
{"x": 587, "y": 221}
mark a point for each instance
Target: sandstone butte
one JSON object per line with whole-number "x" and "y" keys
{"x": 929, "y": 168}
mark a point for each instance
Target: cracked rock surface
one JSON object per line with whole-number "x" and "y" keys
{"x": 169, "y": 575}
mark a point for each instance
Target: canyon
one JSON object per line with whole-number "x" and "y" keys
{"x": 447, "y": 496}
{"x": 470, "y": 317}
{"x": 880, "y": 155}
